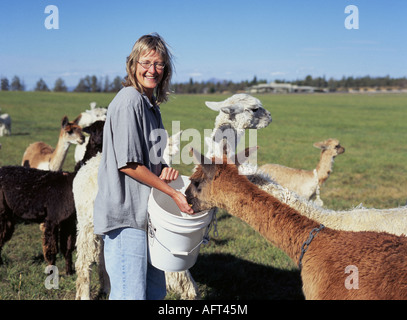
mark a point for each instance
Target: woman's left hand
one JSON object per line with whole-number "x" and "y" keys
{"x": 169, "y": 174}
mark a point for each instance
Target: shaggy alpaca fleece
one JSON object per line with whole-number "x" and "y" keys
{"x": 392, "y": 220}
{"x": 89, "y": 246}
{"x": 236, "y": 114}
{"x": 41, "y": 197}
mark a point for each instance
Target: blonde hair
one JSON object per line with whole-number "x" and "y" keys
{"x": 142, "y": 46}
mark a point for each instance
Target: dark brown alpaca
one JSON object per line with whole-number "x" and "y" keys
{"x": 45, "y": 197}
{"x": 376, "y": 263}
{"x": 39, "y": 196}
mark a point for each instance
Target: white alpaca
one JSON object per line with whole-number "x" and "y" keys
{"x": 87, "y": 118}
{"x": 392, "y": 220}
{"x": 5, "y": 124}
{"x": 307, "y": 183}
{"x": 357, "y": 219}
{"x": 89, "y": 247}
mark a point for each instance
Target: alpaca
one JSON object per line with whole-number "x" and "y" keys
{"x": 5, "y": 124}
{"x": 94, "y": 142}
{"x": 42, "y": 156}
{"x": 392, "y": 220}
{"x": 42, "y": 197}
{"x": 87, "y": 118}
{"x": 307, "y": 183}
{"x": 89, "y": 246}
{"x": 236, "y": 114}
{"x": 377, "y": 260}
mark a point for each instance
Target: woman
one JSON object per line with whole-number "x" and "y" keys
{"x": 126, "y": 172}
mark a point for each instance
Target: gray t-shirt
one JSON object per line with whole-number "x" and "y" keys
{"x": 133, "y": 132}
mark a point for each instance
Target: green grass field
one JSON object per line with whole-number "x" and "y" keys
{"x": 239, "y": 264}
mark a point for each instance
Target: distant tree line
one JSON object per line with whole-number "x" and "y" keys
{"x": 86, "y": 84}
{"x": 94, "y": 84}
{"x": 352, "y": 82}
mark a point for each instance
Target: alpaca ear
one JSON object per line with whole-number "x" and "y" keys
{"x": 64, "y": 121}
{"x": 206, "y": 164}
{"x": 242, "y": 156}
{"x": 76, "y": 121}
{"x": 232, "y": 109}
{"x": 199, "y": 158}
{"x": 319, "y": 145}
{"x": 215, "y": 106}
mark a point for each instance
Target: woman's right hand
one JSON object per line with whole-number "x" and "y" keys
{"x": 181, "y": 202}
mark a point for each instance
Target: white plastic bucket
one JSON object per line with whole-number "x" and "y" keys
{"x": 174, "y": 238}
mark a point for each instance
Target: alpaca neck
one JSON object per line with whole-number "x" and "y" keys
{"x": 58, "y": 156}
{"x": 228, "y": 133}
{"x": 324, "y": 167}
{"x": 274, "y": 220}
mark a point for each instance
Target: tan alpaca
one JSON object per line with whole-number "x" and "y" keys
{"x": 306, "y": 183}
{"x": 42, "y": 156}
{"x": 337, "y": 264}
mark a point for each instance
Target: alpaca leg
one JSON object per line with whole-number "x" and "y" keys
{"x": 318, "y": 200}
{"x": 82, "y": 267}
{"x": 50, "y": 243}
{"x": 84, "y": 260}
{"x": 6, "y": 223}
{"x": 67, "y": 241}
{"x": 183, "y": 284}
{"x": 6, "y": 231}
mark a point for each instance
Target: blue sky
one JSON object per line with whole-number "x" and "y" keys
{"x": 224, "y": 39}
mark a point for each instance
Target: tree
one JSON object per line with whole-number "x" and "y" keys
{"x": 41, "y": 86}
{"x": 5, "y": 86}
{"x": 94, "y": 85}
{"x": 116, "y": 85}
{"x": 88, "y": 84}
{"x": 60, "y": 86}
{"x": 17, "y": 85}
{"x": 106, "y": 86}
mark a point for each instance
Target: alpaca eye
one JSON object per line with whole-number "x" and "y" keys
{"x": 255, "y": 109}
{"x": 196, "y": 185}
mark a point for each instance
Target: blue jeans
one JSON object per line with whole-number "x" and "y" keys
{"x": 131, "y": 276}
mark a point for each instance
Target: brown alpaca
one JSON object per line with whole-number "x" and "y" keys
{"x": 336, "y": 265}
{"x": 306, "y": 183}
{"x": 42, "y": 156}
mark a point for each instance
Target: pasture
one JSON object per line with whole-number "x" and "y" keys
{"x": 238, "y": 264}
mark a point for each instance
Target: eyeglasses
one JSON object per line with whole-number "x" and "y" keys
{"x": 157, "y": 65}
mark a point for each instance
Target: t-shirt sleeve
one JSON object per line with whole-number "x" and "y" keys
{"x": 128, "y": 133}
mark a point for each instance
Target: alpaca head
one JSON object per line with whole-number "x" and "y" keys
{"x": 241, "y": 111}
{"x": 92, "y": 115}
{"x": 206, "y": 181}
{"x": 331, "y": 146}
{"x": 95, "y": 130}
{"x": 71, "y": 132}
